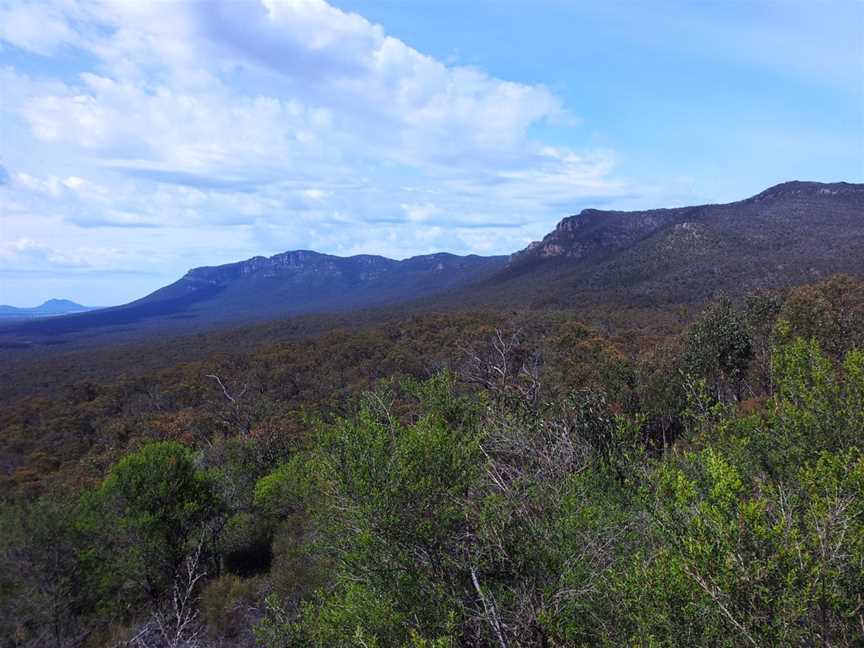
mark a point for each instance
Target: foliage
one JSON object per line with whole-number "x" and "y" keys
{"x": 42, "y": 582}
{"x": 718, "y": 349}
{"x": 830, "y": 312}
{"x": 563, "y": 488}
{"x": 224, "y": 602}
{"x": 151, "y": 506}
{"x": 391, "y": 515}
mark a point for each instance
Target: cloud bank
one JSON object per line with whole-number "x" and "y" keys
{"x": 159, "y": 136}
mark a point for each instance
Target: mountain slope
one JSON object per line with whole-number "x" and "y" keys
{"x": 789, "y": 234}
{"x": 260, "y": 288}
{"x": 303, "y": 281}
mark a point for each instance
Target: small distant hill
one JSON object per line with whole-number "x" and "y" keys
{"x": 50, "y": 308}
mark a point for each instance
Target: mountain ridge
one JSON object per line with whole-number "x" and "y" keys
{"x": 292, "y": 283}
{"x": 790, "y": 233}
{"x": 304, "y": 266}
{"x": 549, "y": 245}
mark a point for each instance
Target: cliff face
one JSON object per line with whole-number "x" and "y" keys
{"x": 294, "y": 263}
{"x": 791, "y": 233}
{"x": 776, "y": 213}
{"x": 593, "y": 230}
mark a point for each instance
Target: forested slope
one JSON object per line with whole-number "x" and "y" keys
{"x": 455, "y": 481}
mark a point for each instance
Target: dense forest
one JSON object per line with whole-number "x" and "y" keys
{"x": 500, "y": 478}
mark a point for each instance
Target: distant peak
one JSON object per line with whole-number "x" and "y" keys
{"x": 60, "y": 302}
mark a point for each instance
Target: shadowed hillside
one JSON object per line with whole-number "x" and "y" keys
{"x": 261, "y": 289}
{"x": 789, "y": 234}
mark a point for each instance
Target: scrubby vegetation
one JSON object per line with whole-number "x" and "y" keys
{"x": 456, "y": 482}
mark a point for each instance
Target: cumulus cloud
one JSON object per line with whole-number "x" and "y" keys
{"x": 259, "y": 126}
{"x": 26, "y": 254}
{"x": 38, "y": 28}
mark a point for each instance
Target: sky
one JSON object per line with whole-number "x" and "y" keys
{"x": 141, "y": 139}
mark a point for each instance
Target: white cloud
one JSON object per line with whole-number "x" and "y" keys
{"x": 417, "y": 213}
{"x": 38, "y": 28}
{"x": 260, "y": 126}
{"x": 26, "y": 254}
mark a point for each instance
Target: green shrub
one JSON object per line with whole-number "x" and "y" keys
{"x": 224, "y": 603}
{"x": 147, "y": 515}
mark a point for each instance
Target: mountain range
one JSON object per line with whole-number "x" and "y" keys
{"x": 789, "y": 234}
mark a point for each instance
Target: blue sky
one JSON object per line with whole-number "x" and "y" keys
{"x": 138, "y": 139}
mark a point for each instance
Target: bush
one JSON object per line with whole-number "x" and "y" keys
{"x": 147, "y": 513}
{"x": 718, "y": 349}
{"x": 224, "y": 603}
